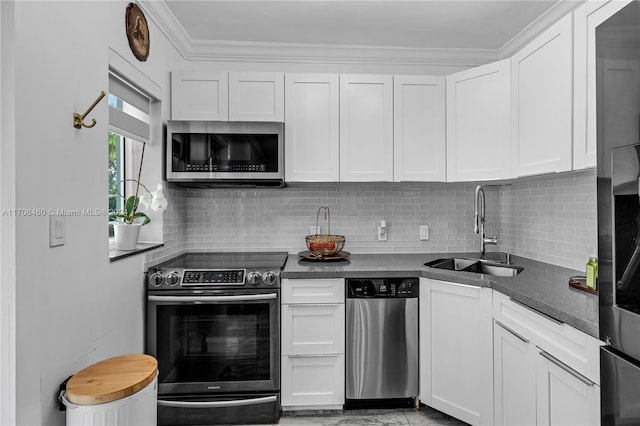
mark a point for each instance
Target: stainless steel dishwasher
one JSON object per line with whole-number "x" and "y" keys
{"x": 381, "y": 342}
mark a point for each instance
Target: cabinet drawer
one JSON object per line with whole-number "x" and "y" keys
{"x": 576, "y": 349}
{"x": 312, "y": 381}
{"x": 313, "y": 291}
{"x": 313, "y": 329}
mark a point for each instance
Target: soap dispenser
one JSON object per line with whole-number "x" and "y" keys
{"x": 592, "y": 272}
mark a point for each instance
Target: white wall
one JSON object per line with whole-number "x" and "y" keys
{"x": 73, "y": 306}
{"x": 7, "y": 223}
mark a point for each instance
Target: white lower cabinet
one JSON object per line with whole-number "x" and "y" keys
{"x": 312, "y": 381}
{"x": 313, "y": 329}
{"x": 545, "y": 372}
{"x": 456, "y": 350}
{"x": 514, "y": 378}
{"x": 564, "y": 396}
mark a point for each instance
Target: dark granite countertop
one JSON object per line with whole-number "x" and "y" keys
{"x": 540, "y": 286}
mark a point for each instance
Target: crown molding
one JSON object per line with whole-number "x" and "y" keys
{"x": 232, "y": 51}
{"x": 335, "y": 54}
{"x": 551, "y": 16}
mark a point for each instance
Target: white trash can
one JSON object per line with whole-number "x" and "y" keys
{"x": 118, "y": 391}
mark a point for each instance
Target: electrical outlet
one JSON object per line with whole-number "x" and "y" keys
{"x": 424, "y": 232}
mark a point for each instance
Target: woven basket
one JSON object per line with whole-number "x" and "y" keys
{"x": 323, "y": 245}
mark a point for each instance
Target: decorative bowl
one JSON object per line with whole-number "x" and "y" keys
{"x": 321, "y": 245}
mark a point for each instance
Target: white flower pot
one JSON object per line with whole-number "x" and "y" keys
{"x": 126, "y": 235}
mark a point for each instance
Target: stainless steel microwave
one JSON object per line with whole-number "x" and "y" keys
{"x": 225, "y": 153}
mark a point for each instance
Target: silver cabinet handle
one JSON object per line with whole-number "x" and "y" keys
{"x": 566, "y": 368}
{"x": 217, "y": 404}
{"x": 557, "y": 321}
{"x": 516, "y": 334}
{"x": 204, "y": 299}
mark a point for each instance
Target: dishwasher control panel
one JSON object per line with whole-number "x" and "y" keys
{"x": 382, "y": 287}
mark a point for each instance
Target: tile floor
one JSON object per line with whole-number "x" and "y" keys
{"x": 425, "y": 416}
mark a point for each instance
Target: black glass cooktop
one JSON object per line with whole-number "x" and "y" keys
{"x": 228, "y": 260}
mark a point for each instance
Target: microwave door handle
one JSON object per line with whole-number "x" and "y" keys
{"x": 215, "y": 404}
{"x": 204, "y": 299}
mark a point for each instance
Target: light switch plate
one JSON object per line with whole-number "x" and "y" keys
{"x": 56, "y": 231}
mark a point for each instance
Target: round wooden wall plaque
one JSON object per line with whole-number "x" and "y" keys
{"x": 137, "y": 32}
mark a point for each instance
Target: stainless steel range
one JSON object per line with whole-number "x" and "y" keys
{"x": 213, "y": 324}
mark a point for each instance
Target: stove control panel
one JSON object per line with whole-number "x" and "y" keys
{"x": 173, "y": 279}
{"x": 215, "y": 276}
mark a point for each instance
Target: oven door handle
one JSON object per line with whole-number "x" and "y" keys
{"x": 204, "y": 299}
{"x": 214, "y": 404}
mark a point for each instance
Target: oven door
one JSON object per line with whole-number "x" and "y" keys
{"x": 215, "y": 343}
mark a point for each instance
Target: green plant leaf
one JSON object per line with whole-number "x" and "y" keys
{"x": 147, "y": 219}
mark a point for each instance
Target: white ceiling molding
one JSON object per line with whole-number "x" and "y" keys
{"x": 551, "y": 16}
{"x": 335, "y": 54}
{"x": 229, "y": 51}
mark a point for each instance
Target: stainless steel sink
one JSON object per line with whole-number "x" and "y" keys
{"x": 478, "y": 266}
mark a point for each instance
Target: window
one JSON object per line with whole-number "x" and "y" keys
{"x": 129, "y": 124}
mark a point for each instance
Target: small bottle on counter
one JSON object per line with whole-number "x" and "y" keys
{"x": 592, "y": 272}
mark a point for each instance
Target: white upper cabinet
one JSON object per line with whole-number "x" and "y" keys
{"x": 256, "y": 96}
{"x": 233, "y": 96}
{"x": 199, "y": 95}
{"x": 366, "y": 128}
{"x": 478, "y": 123}
{"x": 585, "y": 20}
{"x": 312, "y": 129}
{"x": 542, "y": 102}
{"x": 419, "y": 139}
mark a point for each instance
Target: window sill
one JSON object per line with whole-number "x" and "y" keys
{"x": 140, "y": 248}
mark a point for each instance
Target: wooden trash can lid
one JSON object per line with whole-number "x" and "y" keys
{"x": 112, "y": 379}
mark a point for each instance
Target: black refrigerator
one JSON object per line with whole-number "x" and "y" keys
{"x": 618, "y": 181}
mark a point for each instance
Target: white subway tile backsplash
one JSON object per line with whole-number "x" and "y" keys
{"x": 550, "y": 218}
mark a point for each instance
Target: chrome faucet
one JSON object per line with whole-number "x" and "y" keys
{"x": 478, "y": 225}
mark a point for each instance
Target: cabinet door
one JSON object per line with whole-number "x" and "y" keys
{"x": 542, "y": 102}
{"x": 256, "y": 96}
{"x": 312, "y": 381}
{"x": 366, "y": 128}
{"x": 585, "y": 20}
{"x": 327, "y": 290}
{"x": 313, "y": 329}
{"x": 565, "y": 397}
{"x": 456, "y": 350}
{"x": 199, "y": 96}
{"x": 514, "y": 377}
{"x": 312, "y": 130}
{"x": 419, "y": 139}
{"x": 478, "y": 123}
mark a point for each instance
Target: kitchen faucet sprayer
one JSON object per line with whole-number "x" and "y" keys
{"x": 478, "y": 214}
{"x": 478, "y": 217}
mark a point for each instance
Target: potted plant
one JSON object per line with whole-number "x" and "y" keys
{"x": 126, "y": 229}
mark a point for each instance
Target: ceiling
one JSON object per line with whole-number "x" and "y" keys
{"x": 448, "y": 24}
{"x": 469, "y": 25}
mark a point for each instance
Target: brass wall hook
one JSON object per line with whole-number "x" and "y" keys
{"x": 78, "y": 120}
